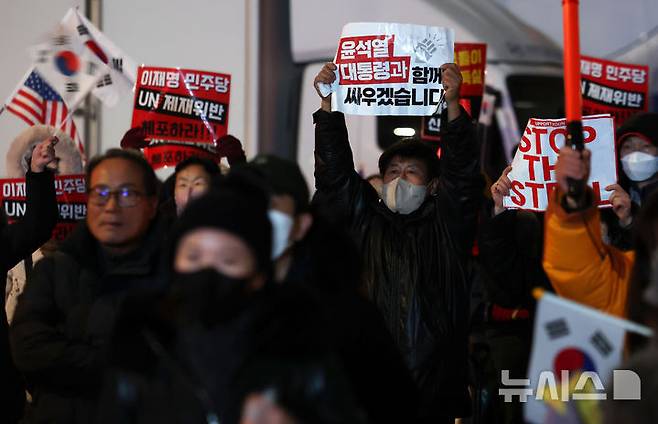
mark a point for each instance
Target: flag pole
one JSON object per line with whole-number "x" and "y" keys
{"x": 573, "y": 101}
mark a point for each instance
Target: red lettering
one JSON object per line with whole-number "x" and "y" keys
{"x": 531, "y": 165}
{"x": 538, "y": 133}
{"x": 519, "y": 200}
{"x": 596, "y": 188}
{"x": 525, "y": 144}
{"x": 535, "y": 193}
{"x": 591, "y": 134}
{"x": 549, "y": 189}
{"x": 547, "y": 167}
{"x": 554, "y": 134}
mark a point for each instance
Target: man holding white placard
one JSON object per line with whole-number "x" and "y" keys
{"x": 416, "y": 236}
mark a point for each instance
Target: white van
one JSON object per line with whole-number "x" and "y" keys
{"x": 524, "y": 72}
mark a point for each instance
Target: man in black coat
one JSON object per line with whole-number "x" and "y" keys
{"x": 415, "y": 237}
{"x": 65, "y": 315}
{"x": 17, "y": 241}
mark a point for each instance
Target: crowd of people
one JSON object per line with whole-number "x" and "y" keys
{"x": 236, "y": 296}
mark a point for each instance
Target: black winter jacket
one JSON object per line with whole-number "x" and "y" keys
{"x": 64, "y": 319}
{"x": 17, "y": 241}
{"x": 414, "y": 264}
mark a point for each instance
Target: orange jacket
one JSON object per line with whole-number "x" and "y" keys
{"x": 579, "y": 265}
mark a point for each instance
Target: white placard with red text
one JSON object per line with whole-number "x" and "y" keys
{"x": 533, "y": 167}
{"x": 391, "y": 69}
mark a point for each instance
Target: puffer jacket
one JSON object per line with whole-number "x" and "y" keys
{"x": 414, "y": 265}
{"x": 65, "y": 316}
{"x": 579, "y": 265}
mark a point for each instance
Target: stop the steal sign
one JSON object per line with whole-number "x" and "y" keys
{"x": 533, "y": 167}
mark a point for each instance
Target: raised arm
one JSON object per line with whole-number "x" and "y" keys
{"x": 461, "y": 183}
{"x": 34, "y": 229}
{"x": 337, "y": 182}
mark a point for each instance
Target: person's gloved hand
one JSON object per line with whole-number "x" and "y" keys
{"x": 134, "y": 138}
{"x": 231, "y": 148}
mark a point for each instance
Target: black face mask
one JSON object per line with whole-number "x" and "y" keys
{"x": 209, "y": 296}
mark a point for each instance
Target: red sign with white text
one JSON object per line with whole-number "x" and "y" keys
{"x": 181, "y": 104}
{"x": 611, "y": 87}
{"x": 371, "y": 59}
{"x": 71, "y": 201}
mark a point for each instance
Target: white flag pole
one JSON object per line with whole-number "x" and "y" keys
{"x": 593, "y": 313}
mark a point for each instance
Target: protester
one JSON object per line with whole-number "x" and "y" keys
{"x": 194, "y": 175}
{"x": 66, "y": 313}
{"x": 580, "y": 266}
{"x": 637, "y": 163}
{"x": 415, "y": 240}
{"x": 637, "y": 144}
{"x": 178, "y": 350}
{"x": 191, "y": 179}
{"x": 289, "y": 206}
{"x": 311, "y": 252}
{"x": 68, "y": 161}
{"x": 510, "y": 251}
{"x": 16, "y": 241}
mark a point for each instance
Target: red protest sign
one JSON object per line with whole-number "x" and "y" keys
{"x": 71, "y": 195}
{"x": 163, "y": 155}
{"x": 620, "y": 89}
{"x": 181, "y": 104}
{"x": 472, "y": 59}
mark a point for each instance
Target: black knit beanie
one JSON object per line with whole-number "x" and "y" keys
{"x": 242, "y": 213}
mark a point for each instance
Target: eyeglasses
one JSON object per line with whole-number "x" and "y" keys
{"x": 126, "y": 197}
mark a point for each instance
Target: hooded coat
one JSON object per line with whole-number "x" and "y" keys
{"x": 414, "y": 265}
{"x": 643, "y": 125}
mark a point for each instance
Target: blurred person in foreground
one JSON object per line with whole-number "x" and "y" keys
{"x": 318, "y": 257}
{"x": 189, "y": 353}
{"x": 65, "y": 316}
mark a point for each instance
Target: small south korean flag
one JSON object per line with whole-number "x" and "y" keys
{"x": 67, "y": 65}
{"x": 571, "y": 343}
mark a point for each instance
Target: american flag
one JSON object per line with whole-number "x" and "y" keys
{"x": 36, "y": 102}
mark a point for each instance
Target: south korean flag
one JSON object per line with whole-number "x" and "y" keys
{"x": 574, "y": 352}
{"x": 119, "y": 71}
{"x": 67, "y": 65}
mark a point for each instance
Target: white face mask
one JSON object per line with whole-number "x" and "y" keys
{"x": 281, "y": 228}
{"x": 639, "y": 166}
{"x": 403, "y": 197}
